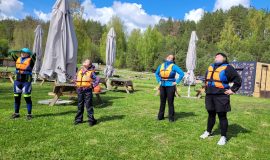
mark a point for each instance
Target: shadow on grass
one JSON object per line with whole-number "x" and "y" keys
{"x": 107, "y": 118}
{"x": 106, "y": 101}
{"x": 233, "y": 130}
{"x": 110, "y": 118}
{"x": 180, "y": 115}
{"x": 122, "y": 90}
{"x": 55, "y": 114}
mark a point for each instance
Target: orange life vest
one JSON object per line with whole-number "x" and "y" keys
{"x": 84, "y": 79}
{"x": 166, "y": 73}
{"x": 217, "y": 77}
{"x": 23, "y": 67}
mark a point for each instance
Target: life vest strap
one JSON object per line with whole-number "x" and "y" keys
{"x": 165, "y": 73}
{"x": 23, "y": 69}
{"x": 212, "y": 80}
{"x": 84, "y": 81}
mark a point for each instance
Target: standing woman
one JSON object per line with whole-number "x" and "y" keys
{"x": 165, "y": 75}
{"x": 218, "y": 91}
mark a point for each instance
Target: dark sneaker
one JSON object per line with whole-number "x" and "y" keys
{"x": 29, "y": 117}
{"x": 92, "y": 122}
{"x": 171, "y": 120}
{"x": 160, "y": 119}
{"x": 15, "y": 115}
{"x": 77, "y": 122}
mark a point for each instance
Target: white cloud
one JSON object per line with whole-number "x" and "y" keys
{"x": 132, "y": 14}
{"x": 197, "y": 14}
{"x": 102, "y": 15}
{"x": 227, "y": 4}
{"x": 194, "y": 15}
{"x": 43, "y": 16}
{"x": 11, "y": 9}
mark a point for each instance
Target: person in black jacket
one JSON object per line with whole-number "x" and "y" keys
{"x": 218, "y": 91}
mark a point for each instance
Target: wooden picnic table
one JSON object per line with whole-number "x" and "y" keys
{"x": 70, "y": 90}
{"x": 7, "y": 74}
{"x": 117, "y": 82}
{"x": 102, "y": 80}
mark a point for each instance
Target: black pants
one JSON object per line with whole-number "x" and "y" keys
{"x": 85, "y": 98}
{"x": 223, "y": 121}
{"x": 17, "y": 98}
{"x": 166, "y": 93}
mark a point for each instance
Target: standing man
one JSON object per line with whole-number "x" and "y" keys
{"x": 165, "y": 75}
{"x": 23, "y": 80}
{"x": 218, "y": 91}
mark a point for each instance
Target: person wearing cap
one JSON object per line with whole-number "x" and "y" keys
{"x": 165, "y": 75}
{"x": 23, "y": 80}
{"x": 218, "y": 91}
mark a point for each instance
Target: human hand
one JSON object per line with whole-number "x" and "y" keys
{"x": 229, "y": 92}
{"x": 174, "y": 83}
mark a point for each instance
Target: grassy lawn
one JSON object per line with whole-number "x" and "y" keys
{"x": 128, "y": 129}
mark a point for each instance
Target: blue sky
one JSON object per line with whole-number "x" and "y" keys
{"x": 167, "y": 8}
{"x": 174, "y": 8}
{"x": 134, "y": 13}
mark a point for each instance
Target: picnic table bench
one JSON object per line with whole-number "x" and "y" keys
{"x": 70, "y": 90}
{"x": 117, "y": 82}
{"x": 200, "y": 91}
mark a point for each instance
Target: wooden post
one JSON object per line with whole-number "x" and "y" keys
{"x": 98, "y": 98}
{"x": 56, "y": 97}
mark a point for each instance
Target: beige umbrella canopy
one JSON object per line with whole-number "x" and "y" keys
{"x": 60, "y": 58}
{"x": 110, "y": 53}
{"x": 37, "y": 48}
{"x": 191, "y": 61}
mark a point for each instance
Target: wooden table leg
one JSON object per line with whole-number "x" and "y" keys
{"x": 42, "y": 82}
{"x": 55, "y": 99}
{"x": 127, "y": 90}
{"x": 10, "y": 78}
{"x": 98, "y": 99}
{"x": 176, "y": 92}
{"x": 157, "y": 93}
{"x": 132, "y": 88}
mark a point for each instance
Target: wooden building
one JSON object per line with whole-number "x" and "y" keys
{"x": 6, "y": 62}
{"x": 255, "y": 78}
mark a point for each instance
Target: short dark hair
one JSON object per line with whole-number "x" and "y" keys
{"x": 171, "y": 55}
{"x": 223, "y": 55}
{"x": 87, "y": 59}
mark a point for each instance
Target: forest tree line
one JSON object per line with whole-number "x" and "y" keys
{"x": 242, "y": 33}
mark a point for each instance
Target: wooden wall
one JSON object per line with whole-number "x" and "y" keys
{"x": 262, "y": 81}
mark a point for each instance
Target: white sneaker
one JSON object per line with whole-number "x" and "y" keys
{"x": 222, "y": 141}
{"x": 205, "y": 135}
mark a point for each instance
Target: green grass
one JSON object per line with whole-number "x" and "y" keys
{"x": 128, "y": 129}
